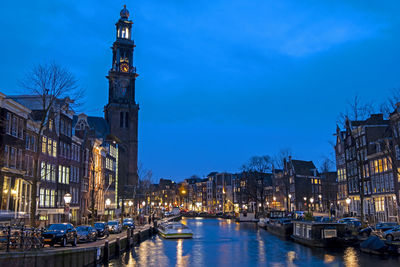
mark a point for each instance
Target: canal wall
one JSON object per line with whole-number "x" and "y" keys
{"x": 73, "y": 257}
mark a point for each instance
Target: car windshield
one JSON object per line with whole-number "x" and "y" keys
{"x": 113, "y": 223}
{"x": 99, "y": 225}
{"x": 57, "y": 227}
{"x": 82, "y": 228}
{"x": 128, "y": 220}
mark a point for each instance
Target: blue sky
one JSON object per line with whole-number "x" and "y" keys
{"x": 220, "y": 81}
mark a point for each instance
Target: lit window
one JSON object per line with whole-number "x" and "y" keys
{"x": 44, "y": 141}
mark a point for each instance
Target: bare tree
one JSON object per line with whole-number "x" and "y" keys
{"x": 390, "y": 103}
{"x": 254, "y": 172}
{"x": 50, "y": 83}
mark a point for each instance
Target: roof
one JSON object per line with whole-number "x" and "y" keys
{"x": 303, "y": 167}
{"x": 98, "y": 124}
{"x": 374, "y": 119}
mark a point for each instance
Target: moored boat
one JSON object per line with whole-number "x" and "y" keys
{"x": 318, "y": 234}
{"x": 280, "y": 227}
{"x": 174, "y": 230}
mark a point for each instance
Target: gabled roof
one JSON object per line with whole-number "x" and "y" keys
{"x": 302, "y": 167}
{"x": 374, "y": 119}
{"x": 99, "y": 125}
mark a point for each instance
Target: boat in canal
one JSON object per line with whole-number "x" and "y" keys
{"x": 280, "y": 227}
{"x": 319, "y": 234}
{"x": 174, "y": 230}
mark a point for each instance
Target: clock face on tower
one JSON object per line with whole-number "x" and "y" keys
{"x": 124, "y": 67}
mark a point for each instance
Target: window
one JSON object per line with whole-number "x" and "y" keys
{"x": 43, "y": 170}
{"x": 14, "y": 126}
{"x": 13, "y": 157}
{"x": 41, "y": 197}
{"x": 19, "y": 159}
{"x": 47, "y": 198}
{"x": 49, "y": 146}
{"x": 60, "y": 174}
{"x": 21, "y": 129}
{"x": 44, "y": 144}
{"x": 48, "y": 172}
{"x": 121, "y": 119}
{"x": 8, "y": 123}
{"x": 52, "y": 197}
{"x": 54, "y": 149}
{"x": 127, "y": 120}
{"x": 53, "y": 173}
{"x": 6, "y": 156}
{"x": 51, "y": 125}
{"x": 33, "y": 143}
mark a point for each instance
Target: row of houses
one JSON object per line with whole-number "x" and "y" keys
{"x": 367, "y": 160}
{"x": 73, "y": 154}
{"x": 298, "y": 186}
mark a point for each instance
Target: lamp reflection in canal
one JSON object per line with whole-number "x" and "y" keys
{"x": 328, "y": 258}
{"x": 350, "y": 257}
{"x": 180, "y": 259}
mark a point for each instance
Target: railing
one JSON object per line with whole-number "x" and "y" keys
{"x": 15, "y": 238}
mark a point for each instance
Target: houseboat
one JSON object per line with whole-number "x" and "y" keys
{"x": 318, "y": 234}
{"x": 247, "y": 217}
{"x": 174, "y": 230}
{"x": 278, "y": 223}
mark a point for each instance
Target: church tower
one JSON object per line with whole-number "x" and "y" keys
{"x": 121, "y": 112}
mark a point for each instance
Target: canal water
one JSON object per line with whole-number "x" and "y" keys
{"x": 220, "y": 242}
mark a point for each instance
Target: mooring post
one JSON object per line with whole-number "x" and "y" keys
{"x": 106, "y": 252}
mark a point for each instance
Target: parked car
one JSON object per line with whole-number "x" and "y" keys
{"x": 321, "y": 219}
{"x": 348, "y": 220}
{"x": 385, "y": 226}
{"x": 114, "y": 227}
{"x": 60, "y": 233}
{"x": 393, "y": 234}
{"x": 102, "y": 229}
{"x": 86, "y": 233}
{"x": 128, "y": 223}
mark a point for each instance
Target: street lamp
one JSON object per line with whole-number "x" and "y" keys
{"x": 290, "y": 202}
{"x": 130, "y": 204}
{"x": 67, "y": 201}
{"x": 348, "y": 200}
{"x": 312, "y": 202}
{"x": 108, "y": 203}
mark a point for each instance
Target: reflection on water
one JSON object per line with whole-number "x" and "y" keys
{"x": 219, "y": 242}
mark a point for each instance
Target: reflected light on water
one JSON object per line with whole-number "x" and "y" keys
{"x": 180, "y": 259}
{"x": 329, "y": 258}
{"x": 291, "y": 256}
{"x": 350, "y": 258}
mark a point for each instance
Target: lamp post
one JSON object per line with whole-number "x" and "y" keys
{"x": 130, "y": 204}
{"x": 348, "y": 200}
{"x": 290, "y": 202}
{"x": 274, "y": 203}
{"x": 67, "y": 201}
{"x": 108, "y": 203}
{"x": 320, "y": 201}
{"x": 312, "y": 203}
{"x": 305, "y": 202}
{"x": 143, "y": 205}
